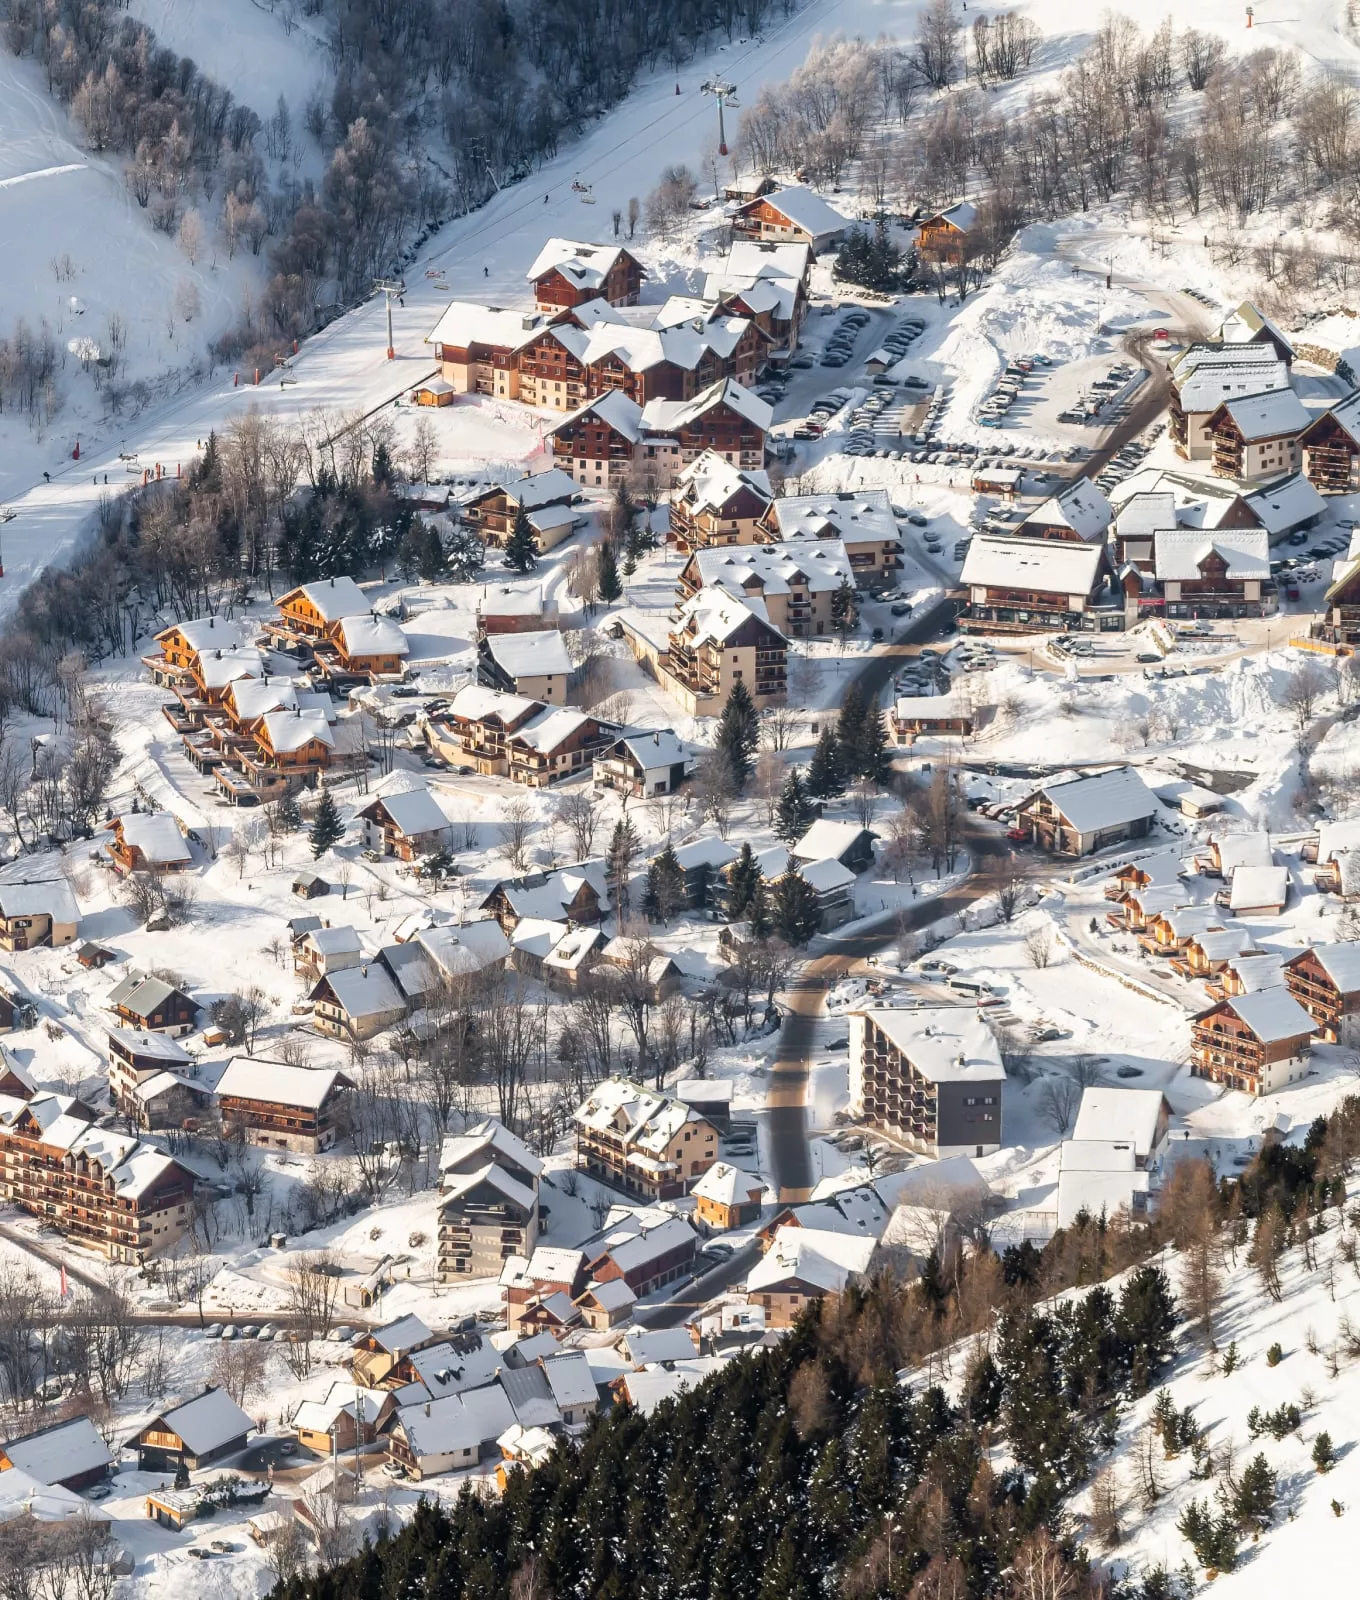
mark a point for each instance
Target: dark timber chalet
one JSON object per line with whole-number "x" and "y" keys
{"x": 302, "y": 1109}
{"x": 566, "y": 273}
{"x": 1255, "y": 1043}
{"x": 1326, "y": 983}
{"x": 1331, "y": 447}
{"x": 196, "y": 1434}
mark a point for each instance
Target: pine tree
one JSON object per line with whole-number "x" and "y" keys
{"x": 607, "y": 572}
{"x": 206, "y": 473}
{"x": 432, "y": 564}
{"x": 1253, "y": 1498}
{"x": 181, "y": 1474}
{"x": 1324, "y": 1456}
{"x": 758, "y": 915}
{"x": 521, "y": 548}
{"x": 850, "y": 730}
{"x": 618, "y": 863}
{"x": 795, "y": 912}
{"x": 743, "y": 883}
{"x": 327, "y": 828}
{"x": 665, "y": 886}
{"x": 738, "y": 733}
{"x": 981, "y": 1396}
{"x": 824, "y": 778}
{"x": 845, "y": 609}
{"x": 384, "y": 474}
{"x": 795, "y": 813}
{"x": 874, "y": 761}
{"x": 287, "y": 815}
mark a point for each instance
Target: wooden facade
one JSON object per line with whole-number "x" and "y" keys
{"x": 622, "y": 285}
{"x": 1331, "y": 455}
{"x": 1227, "y": 1050}
{"x": 1316, "y": 990}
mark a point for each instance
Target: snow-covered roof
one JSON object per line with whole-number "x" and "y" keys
{"x": 206, "y": 633}
{"x": 292, "y": 730}
{"x": 332, "y": 942}
{"x": 491, "y": 1139}
{"x": 1341, "y": 963}
{"x": 805, "y": 209}
{"x": 61, "y": 1451}
{"x": 157, "y": 836}
{"x": 612, "y": 1295}
{"x": 218, "y": 668}
{"x": 551, "y": 729}
{"x": 140, "y": 994}
{"x": 332, "y": 598}
{"x": 1178, "y": 553}
{"x": 252, "y": 697}
{"x": 1256, "y": 972}
{"x": 1052, "y": 566}
{"x": 1268, "y": 416}
{"x": 468, "y": 947}
{"x": 670, "y": 416}
{"x": 1080, "y": 507}
{"x": 539, "y": 489}
{"x": 572, "y": 950}
{"x": 542, "y": 653}
{"x": 366, "y": 991}
{"x": 1272, "y": 1014}
{"x": 373, "y": 636}
{"x": 829, "y": 840}
{"x": 1251, "y": 849}
{"x": 715, "y": 615}
{"x": 652, "y": 748}
{"x": 825, "y": 876}
{"x": 948, "y": 1044}
{"x": 478, "y": 704}
{"x": 205, "y": 1423}
{"x": 1245, "y": 322}
{"x": 1206, "y": 387}
{"x": 465, "y": 323}
{"x": 710, "y": 481}
{"x": 538, "y": 936}
{"x": 38, "y": 897}
{"x": 812, "y": 1259}
{"x": 649, "y": 1347}
{"x": 853, "y": 516}
{"x": 530, "y": 1395}
{"x": 1286, "y": 504}
{"x": 585, "y": 265}
{"x": 859, "y": 1209}
{"x": 1254, "y": 888}
{"x": 942, "y": 707}
{"x": 1097, "y": 1190}
{"x": 1336, "y": 838}
{"x": 248, "y": 1078}
{"x": 456, "y": 1423}
{"x": 1143, "y": 514}
{"x": 615, "y": 409}
{"x": 1131, "y": 1115}
{"x": 413, "y": 811}
{"x": 636, "y": 1244}
{"x": 399, "y": 1336}
{"x": 758, "y": 258}
{"x": 1102, "y": 799}
{"x": 769, "y": 569}
{"x": 494, "y": 1175}
{"x": 570, "y": 1379}
{"x": 961, "y": 216}
{"x": 705, "y": 853}
{"x": 727, "y": 1185}
{"x": 1196, "y": 356}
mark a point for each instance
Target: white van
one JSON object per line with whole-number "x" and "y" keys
{"x": 973, "y": 988}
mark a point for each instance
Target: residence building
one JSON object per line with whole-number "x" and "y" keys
{"x": 597, "y": 443}
{"x": 534, "y": 665}
{"x": 71, "y": 1454}
{"x": 726, "y": 418}
{"x": 645, "y": 1249}
{"x": 1257, "y": 891}
{"x": 268, "y": 1103}
{"x": 365, "y": 646}
{"x": 183, "y": 643}
{"x": 566, "y": 273}
{"x": 407, "y": 825}
{"x": 1325, "y": 980}
{"x": 606, "y": 1305}
{"x": 548, "y": 1273}
{"x": 1330, "y": 445}
{"x": 289, "y": 750}
{"x": 846, "y": 842}
{"x": 803, "y": 1265}
{"x": 1256, "y": 1043}
{"x": 714, "y": 642}
{"x": 577, "y": 895}
{"x": 149, "y": 841}
{"x": 477, "y": 347}
{"x": 1032, "y": 585}
{"x": 861, "y": 519}
{"x": 1285, "y": 505}
{"x": 509, "y": 736}
{"x": 1098, "y": 1178}
{"x": 715, "y": 503}
{"x": 1258, "y": 436}
{"x": 702, "y": 862}
{"x": 544, "y": 497}
{"x": 315, "y": 611}
{"x": 322, "y": 950}
{"x": 151, "y": 1005}
{"x": 795, "y": 584}
{"x": 1341, "y": 604}
{"x": 377, "y": 1353}
{"x": 1214, "y": 574}
{"x": 1077, "y": 514}
{"x": 345, "y": 1419}
{"x": 1245, "y": 325}
{"x": 768, "y": 283}
{"x": 135, "y": 1056}
{"x": 726, "y": 1197}
{"x": 932, "y": 1078}
{"x": 358, "y": 1003}
{"x": 796, "y": 215}
{"x": 934, "y": 716}
{"x": 199, "y": 1433}
{"x": 641, "y": 1141}
{"x": 452, "y": 1433}
{"x": 945, "y": 236}
{"x": 643, "y": 764}
{"x": 488, "y": 1201}
{"x": 1140, "y": 1118}
{"x": 1075, "y": 816}
{"x": 37, "y": 908}
{"x": 1204, "y": 377}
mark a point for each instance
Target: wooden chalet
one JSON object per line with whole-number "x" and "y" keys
{"x": 182, "y": 644}
{"x": 1325, "y": 980}
{"x": 302, "y": 1109}
{"x": 727, "y": 1197}
{"x": 566, "y": 273}
{"x": 1214, "y": 573}
{"x": 575, "y": 895}
{"x": 598, "y": 442}
{"x": 912, "y": 716}
{"x": 510, "y": 736}
{"x": 1258, "y": 435}
{"x": 1255, "y": 1043}
{"x": 197, "y": 1434}
{"x": 378, "y": 1352}
{"x": 545, "y": 497}
{"x": 1032, "y": 585}
{"x": 725, "y": 418}
{"x": 1331, "y": 447}
{"x": 357, "y": 1003}
{"x": 151, "y": 1005}
{"x": 315, "y": 610}
{"x": 1341, "y": 606}
{"x": 793, "y": 586}
{"x": 366, "y": 646}
{"x": 642, "y": 764}
{"x": 714, "y": 503}
{"x": 147, "y": 841}
{"x": 37, "y": 909}
{"x": 945, "y": 237}
{"x": 533, "y": 664}
{"x": 346, "y": 1419}
{"x": 290, "y": 749}
{"x": 406, "y": 825}
{"x": 70, "y": 1454}
{"x": 1076, "y": 816}
{"x": 791, "y": 215}
{"x": 646, "y": 1255}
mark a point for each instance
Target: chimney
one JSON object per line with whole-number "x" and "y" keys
{"x": 427, "y": 1408}
{"x": 656, "y": 739}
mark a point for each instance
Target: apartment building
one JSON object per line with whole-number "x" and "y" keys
{"x": 488, "y": 1201}
{"x": 715, "y": 641}
{"x": 796, "y": 584}
{"x": 645, "y": 1143}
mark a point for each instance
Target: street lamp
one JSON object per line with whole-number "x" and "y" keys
{"x": 724, "y": 93}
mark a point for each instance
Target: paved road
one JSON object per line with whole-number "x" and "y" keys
{"x": 689, "y": 1297}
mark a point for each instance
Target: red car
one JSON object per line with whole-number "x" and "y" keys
{"x": 1018, "y": 834}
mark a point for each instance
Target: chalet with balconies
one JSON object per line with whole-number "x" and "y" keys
{"x": 1331, "y": 447}
{"x": 1341, "y": 605}
{"x": 577, "y": 895}
{"x": 862, "y": 520}
{"x": 509, "y": 736}
{"x": 642, "y": 1142}
{"x": 406, "y": 825}
{"x": 315, "y": 611}
{"x": 182, "y": 644}
{"x": 1031, "y": 585}
{"x": 149, "y": 841}
{"x": 797, "y": 584}
{"x": 598, "y": 442}
{"x": 714, "y": 503}
{"x": 945, "y": 237}
{"x": 135, "y": 1057}
{"x": 795, "y": 215}
{"x": 548, "y": 1271}
{"x": 545, "y": 497}
{"x": 323, "y": 950}
{"x": 1075, "y": 816}
{"x": 912, "y": 717}
{"x": 642, "y": 764}
{"x": 534, "y": 665}
{"x": 1325, "y": 981}
{"x": 302, "y": 1109}
{"x": 932, "y": 1078}
{"x": 566, "y": 273}
{"x": 37, "y": 909}
{"x": 1214, "y": 573}
{"x": 358, "y": 1003}
{"x": 367, "y": 647}
{"x": 115, "y": 1194}
{"x": 725, "y": 418}
{"x": 380, "y": 1352}
{"x": 1258, "y": 436}
{"x": 1208, "y": 953}
{"x": 1246, "y": 326}
{"x": 727, "y": 1197}
{"x": 1204, "y": 377}
{"x": 716, "y": 641}
{"x": 151, "y": 1005}
{"x": 1078, "y": 514}
{"x": 196, "y": 1434}
{"x": 477, "y": 347}
{"x": 488, "y": 1201}
{"x": 646, "y": 1251}
{"x": 290, "y": 749}
{"x": 1256, "y": 1043}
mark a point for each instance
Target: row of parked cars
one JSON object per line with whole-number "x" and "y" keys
{"x": 267, "y": 1331}
{"x": 1094, "y": 406}
{"x": 992, "y": 412}
{"x": 842, "y": 342}
{"x": 1128, "y": 460}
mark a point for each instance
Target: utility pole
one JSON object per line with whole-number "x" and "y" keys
{"x": 390, "y": 288}
{"x": 724, "y": 93}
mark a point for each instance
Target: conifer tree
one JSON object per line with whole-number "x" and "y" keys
{"x": 743, "y": 883}
{"x": 874, "y": 762}
{"x": 845, "y": 609}
{"x": 738, "y": 733}
{"x": 327, "y": 828}
{"x": 618, "y": 863}
{"x": 795, "y": 812}
{"x": 794, "y": 912}
{"x": 825, "y": 778}
{"x": 665, "y": 886}
{"x": 850, "y": 731}
{"x": 521, "y": 548}
{"x": 981, "y": 1396}
{"x": 607, "y": 572}
{"x": 287, "y": 815}
{"x": 1324, "y": 1455}
{"x": 1253, "y": 1498}
{"x": 759, "y": 916}
{"x": 206, "y": 473}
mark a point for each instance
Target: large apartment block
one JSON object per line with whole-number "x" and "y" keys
{"x": 931, "y": 1078}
